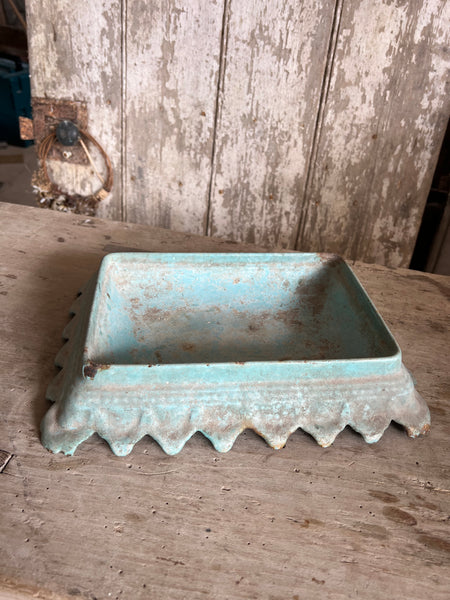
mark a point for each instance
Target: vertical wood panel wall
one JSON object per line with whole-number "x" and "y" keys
{"x": 172, "y": 65}
{"x": 294, "y": 124}
{"x": 379, "y": 136}
{"x": 75, "y": 53}
{"x": 273, "y": 62}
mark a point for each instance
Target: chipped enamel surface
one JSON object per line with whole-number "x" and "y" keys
{"x": 170, "y": 344}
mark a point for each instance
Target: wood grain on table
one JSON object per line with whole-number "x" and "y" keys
{"x": 350, "y": 521}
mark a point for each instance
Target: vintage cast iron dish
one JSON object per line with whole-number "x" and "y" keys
{"x": 170, "y": 344}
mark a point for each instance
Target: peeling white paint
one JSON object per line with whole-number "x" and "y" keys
{"x": 172, "y": 69}
{"x": 150, "y": 75}
{"x": 383, "y": 121}
{"x": 272, "y": 76}
{"x": 75, "y": 54}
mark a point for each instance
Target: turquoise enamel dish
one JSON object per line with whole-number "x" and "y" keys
{"x": 166, "y": 345}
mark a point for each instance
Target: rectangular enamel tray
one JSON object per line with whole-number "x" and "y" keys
{"x": 169, "y": 344}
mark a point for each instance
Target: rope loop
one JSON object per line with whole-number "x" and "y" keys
{"x": 50, "y": 186}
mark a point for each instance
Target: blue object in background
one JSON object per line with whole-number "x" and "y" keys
{"x": 15, "y": 99}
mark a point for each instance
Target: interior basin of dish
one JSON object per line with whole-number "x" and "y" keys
{"x": 218, "y": 308}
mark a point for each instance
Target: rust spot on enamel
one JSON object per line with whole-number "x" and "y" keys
{"x": 90, "y": 370}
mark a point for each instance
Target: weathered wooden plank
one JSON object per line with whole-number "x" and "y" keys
{"x": 172, "y": 64}
{"x": 273, "y": 61}
{"x": 75, "y": 54}
{"x": 350, "y": 521}
{"x": 315, "y": 125}
{"x": 383, "y": 120}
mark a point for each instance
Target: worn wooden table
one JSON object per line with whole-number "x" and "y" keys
{"x": 350, "y": 521}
